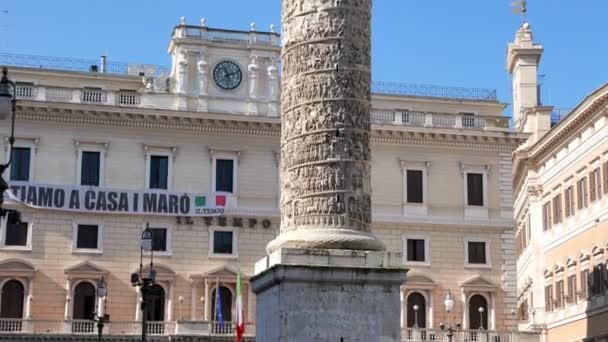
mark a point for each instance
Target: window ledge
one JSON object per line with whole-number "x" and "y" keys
{"x": 87, "y": 251}
{"x": 417, "y": 264}
{"x": 164, "y": 254}
{"x": 477, "y": 266}
{"x": 223, "y": 256}
{"x": 16, "y": 248}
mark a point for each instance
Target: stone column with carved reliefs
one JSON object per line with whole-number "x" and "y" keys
{"x": 325, "y": 151}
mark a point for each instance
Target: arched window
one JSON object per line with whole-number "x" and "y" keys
{"x": 84, "y": 301}
{"x": 478, "y": 318}
{"x": 416, "y": 318}
{"x": 13, "y": 293}
{"x": 155, "y": 307}
{"x": 226, "y": 298}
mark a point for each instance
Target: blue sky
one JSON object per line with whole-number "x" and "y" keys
{"x": 444, "y": 42}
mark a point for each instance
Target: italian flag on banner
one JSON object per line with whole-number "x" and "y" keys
{"x": 240, "y": 321}
{"x": 210, "y": 201}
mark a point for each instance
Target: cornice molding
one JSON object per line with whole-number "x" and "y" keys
{"x": 251, "y": 125}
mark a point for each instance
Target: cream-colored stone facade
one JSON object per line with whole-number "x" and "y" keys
{"x": 561, "y": 207}
{"x": 194, "y": 123}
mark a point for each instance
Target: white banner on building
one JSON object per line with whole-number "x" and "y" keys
{"x": 96, "y": 200}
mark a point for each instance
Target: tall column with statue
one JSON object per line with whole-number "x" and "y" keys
{"x": 327, "y": 277}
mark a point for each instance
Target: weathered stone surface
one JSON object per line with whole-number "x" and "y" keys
{"x": 325, "y": 150}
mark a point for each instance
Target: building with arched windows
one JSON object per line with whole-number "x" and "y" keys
{"x": 104, "y": 149}
{"x": 561, "y": 207}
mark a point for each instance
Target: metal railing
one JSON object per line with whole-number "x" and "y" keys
{"x": 75, "y": 64}
{"x": 408, "y": 89}
{"x": 439, "y": 120}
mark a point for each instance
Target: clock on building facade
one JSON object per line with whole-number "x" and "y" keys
{"x": 227, "y": 75}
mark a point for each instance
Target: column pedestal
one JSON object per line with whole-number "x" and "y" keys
{"x": 328, "y": 295}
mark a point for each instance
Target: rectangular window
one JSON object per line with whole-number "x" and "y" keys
{"x": 20, "y": 164}
{"x": 547, "y": 216}
{"x": 559, "y": 294}
{"x": 569, "y": 201}
{"x": 89, "y": 171}
{"x": 584, "y": 294}
{"x": 571, "y": 298}
{"x": 159, "y": 239}
{"x": 477, "y": 252}
{"x": 16, "y": 234}
{"x": 548, "y": 298}
{"x": 475, "y": 189}
{"x": 598, "y": 279}
{"x": 581, "y": 193}
{"x": 595, "y": 185}
{"x": 224, "y": 174}
{"x": 414, "y": 186}
{"x": 159, "y": 172}
{"x": 416, "y": 250}
{"x": 605, "y": 182}
{"x": 557, "y": 209}
{"x": 87, "y": 236}
{"x": 222, "y": 242}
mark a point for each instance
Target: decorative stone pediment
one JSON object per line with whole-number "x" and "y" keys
{"x": 558, "y": 268}
{"x": 420, "y": 281}
{"x": 479, "y": 283}
{"x": 597, "y": 251}
{"x": 163, "y": 273}
{"x": 570, "y": 262}
{"x": 16, "y": 268}
{"x": 85, "y": 269}
{"x": 583, "y": 255}
{"x": 223, "y": 272}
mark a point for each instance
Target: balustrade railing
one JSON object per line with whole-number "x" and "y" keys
{"x": 423, "y": 335}
{"x": 26, "y": 90}
{"x": 128, "y": 98}
{"x": 90, "y": 95}
{"x": 83, "y": 326}
{"x": 57, "y": 94}
{"x": 9, "y": 325}
{"x": 439, "y": 120}
{"x": 230, "y": 36}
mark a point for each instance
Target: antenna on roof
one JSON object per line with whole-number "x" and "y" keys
{"x": 520, "y": 7}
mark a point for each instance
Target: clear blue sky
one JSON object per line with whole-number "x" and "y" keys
{"x": 445, "y": 42}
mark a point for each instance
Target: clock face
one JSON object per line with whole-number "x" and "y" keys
{"x": 227, "y": 75}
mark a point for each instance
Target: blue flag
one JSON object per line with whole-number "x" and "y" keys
{"x": 218, "y": 304}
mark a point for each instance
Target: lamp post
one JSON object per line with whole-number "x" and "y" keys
{"x": 416, "y": 316}
{"x": 8, "y": 105}
{"x": 448, "y": 306}
{"x": 101, "y": 317}
{"x": 481, "y": 310}
{"x": 144, "y": 283}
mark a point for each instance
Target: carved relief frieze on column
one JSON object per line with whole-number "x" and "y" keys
{"x": 325, "y": 150}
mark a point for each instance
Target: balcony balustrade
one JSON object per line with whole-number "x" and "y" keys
{"x": 439, "y": 120}
{"x": 227, "y": 36}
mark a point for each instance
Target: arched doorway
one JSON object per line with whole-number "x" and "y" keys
{"x": 226, "y": 298}
{"x": 155, "y": 306}
{"x": 13, "y": 293}
{"x": 416, "y": 318}
{"x": 84, "y": 301}
{"x": 478, "y": 318}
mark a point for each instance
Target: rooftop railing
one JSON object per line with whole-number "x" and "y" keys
{"x": 439, "y": 120}
{"x": 82, "y": 65}
{"x": 226, "y": 36}
{"x": 408, "y": 89}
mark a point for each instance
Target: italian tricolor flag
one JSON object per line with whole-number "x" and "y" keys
{"x": 240, "y": 321}
{"x": 210, "y": 201}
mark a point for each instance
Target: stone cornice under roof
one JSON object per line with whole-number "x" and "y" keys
{"x": 593, "y": 105}
{"x": 253, "y": 125}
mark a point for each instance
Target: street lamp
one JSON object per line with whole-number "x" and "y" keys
{"x": 448, "y": 303}
{"x": 481, "y": 310}
{"x": 8, "y": 105}
{"x": 416, "y": 316}
{"x": 144, "y": 283}
{"x": 101, "y": 317}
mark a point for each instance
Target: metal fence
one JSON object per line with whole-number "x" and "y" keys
{"x": 408, "y": 89}
{"x": 75, "y": 64}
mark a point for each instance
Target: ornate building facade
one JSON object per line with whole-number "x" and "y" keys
{"x": 561, "y": 207}
{"x": 440, "y": 175}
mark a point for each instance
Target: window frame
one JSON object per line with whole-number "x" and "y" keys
{"x": 81, "y": 147}
{"x": 487, "y": 242}
{"x": 3, "y": 230}
{"x": 557, "y": 209}
{"x": 582, "y": 193}
{"x": 476, "y": 210}
{"x": 569, "y": 201}
{"x": 169, "y": 243}
{"x": 235, "y": 242}
{"x": 234, "y": 156}
{"x": 160, "y": 151}
{"x": 32, "y": 144}
{"x": 413, "y": 208}
{"x": 100, "y": 230}
{"x": 427, "y": 249}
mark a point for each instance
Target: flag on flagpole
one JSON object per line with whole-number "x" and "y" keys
{"x": 218, "y": 305}
{"x": 240, "y": 321}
